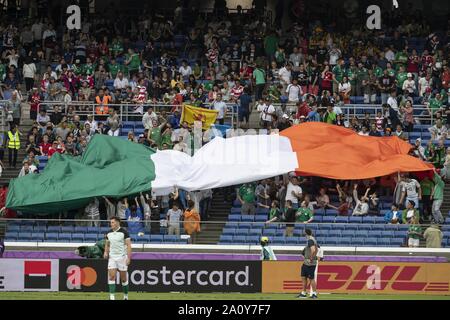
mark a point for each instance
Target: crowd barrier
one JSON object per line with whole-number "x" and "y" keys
{"x": 233, "y": 276}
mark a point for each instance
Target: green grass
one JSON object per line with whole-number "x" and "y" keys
{"x": 201, "y": 296}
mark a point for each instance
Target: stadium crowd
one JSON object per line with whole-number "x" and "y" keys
{"x": 306, "y": 72}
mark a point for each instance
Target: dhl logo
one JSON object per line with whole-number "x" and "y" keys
{"x": 371, "y": 277}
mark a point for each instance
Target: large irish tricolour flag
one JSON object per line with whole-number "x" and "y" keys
{"x": 113, "y": 167}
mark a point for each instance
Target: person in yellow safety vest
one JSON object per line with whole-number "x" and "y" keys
{"x": 13, "y": 143}
{"x": 102, "y": 101}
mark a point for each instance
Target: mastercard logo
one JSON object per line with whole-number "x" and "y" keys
{"x": 77, "y": 277}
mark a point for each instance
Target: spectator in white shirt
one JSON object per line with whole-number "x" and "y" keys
{"x": 409, "y": 85}
{"x": 294, "y": 192}
{"x": 148, "y": 118}
{"x": 220, "y": 106}
{"x": 389, "y": 55}
{"x": 425, "y": 85}
{"x": 92, "y": 123}
{"x": 185, "y": 70}
{"x": 438, "y": 131}
{"x": 294, "y": 91}
{"x": 362, "y": 205}
{"x": 285, "y": 75}
{"x": 392, "y": 100}
{"x": 296, "y": 58}
{"x": 121, "y": 82}
{"x": 267, "y": 112}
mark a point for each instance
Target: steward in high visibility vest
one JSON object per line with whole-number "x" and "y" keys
{"x": 13, "y": 139}
{"x": 102, "y": 101}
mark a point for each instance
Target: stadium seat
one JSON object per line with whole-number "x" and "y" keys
{"x": 146, "y": 239}
{"x": 13, "y": 228}
{"x": 90, "y": 237}
{"x": 318, "y": 219}
{"x": 78, "y": 237}
{"x": 51, "y": 236}
{"x": 353, "y": 227}
{"x": 245, "y": 225}
{"x": 332, "y": 241}
{"x": 226, "y": 238}
{"x": 379, "y": 220}
{"x": 92, "y": 230}
{"x": 278, "y": 240}
{"x": 383, "y": 242}
{"x": 327, "y": 219}
{"x": 364, "y": 227}
{"x": 349, "y": 233}
{"x": 10, "y": 235}
{"x": 357, "y": 241}
{"x": 80, "y": 229}
{"x": 66, "y": 229}
{"x": 291, "y": 240}
{"x": 360, "y": 233}
{"x": 235, "y": 211}
{"x": 397, "y": 242}
{"x": 53, "y": 229}
{"x": 239, "y": 239}
{"x": 26, "y": 229}
{"x": 234, "y": 217}
{"x": 260, "y": 218}
{"x": 269, "y": 232}
{"x": 334, "y": 233}
{"x": 355, "y": 219}
{"x": 64, "y": 237}
{"x": 253, "y": 239}
{"x": 280, "y": 232}
{"x": 39, "y": 228}
{"x": 254, "y": 232}
{"x": 331, "y": 212}
{"x": 387, "y": 234}
{"x": 327, "y": 226}
{"x": 38, "y": 236}
{"x": 341, "y": 219}
{"x": 229, "y": 231}
{"x": 391, "y": 227}
{"x": 368, "y": 219}
{"x": 247, "y": 218}
{"x": 156, "y": 238}
{"x": 346, "y": 241}
{"x": 370, "y": 241}
{"x": 378, "y": 227}
{"x": 237, "y": 204}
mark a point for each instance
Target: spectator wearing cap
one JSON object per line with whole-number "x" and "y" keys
{"x": 409, "y": 85}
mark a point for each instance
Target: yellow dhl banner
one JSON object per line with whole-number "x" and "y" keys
{"x": 206, "y": 116}
{"x": 360, "y": 277}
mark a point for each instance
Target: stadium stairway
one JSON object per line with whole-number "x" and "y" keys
{"x": 25, "y": 126}
{"x": 218, "y": 215}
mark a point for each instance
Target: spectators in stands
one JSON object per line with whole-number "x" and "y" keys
{"x": 433, "y": 236}
{"x": 192, "y": 220}
{"x": 414, "y": 232}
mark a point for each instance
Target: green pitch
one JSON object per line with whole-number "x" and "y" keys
{"x": 200, "y": 296}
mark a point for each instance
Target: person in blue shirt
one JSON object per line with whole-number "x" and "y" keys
{"x": 174, "y": 120}
{"x": 134, "y": 218}
{"x": 394, "y": 216}
{"x": 244, "y": 108}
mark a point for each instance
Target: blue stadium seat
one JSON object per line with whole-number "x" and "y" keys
{"x": 341, "y": 219}
{"x": 104, "y": 230}
{"x": 447, "y": 220}
{"x": 260, "y": 218}
{"x": 92, "y": 230}
{"x": 331, "y": 212}
{"x": 391, "y": 227}
{"x": 338, "y": 226}
{"x": 378, "y": 227}
{"x": 226, "y": 238}
{"x": 51, "y": 236}
{"x": 327, "y": 219}
{"x": 240, "y": 239}
{"x": 368, "y": 219}
{"x": 345, "y": 241}
{"x": 237, "y": 203}
{"x": 353, "y": 227}
{"x": 387, "y": 234}
{"x": 254, "y": 232}
{"x": 383, "y": 242}
{"x": 156, "y": 238}
{"x": 318, "y": 219}
{"x": 280, "y": 232}
{"x": 39, "y": 229}
{"x": 64, "y": 237}
{"x": 9, "y": 235}
{"x": 234, "y": 217}
{"x": 278, "y": 240}
{"x": 13, "y": 228}
{"x": 26, "y": 229}
{"x": 322, "y": 233}
{"x": 358, "y": 241}
{"x": 355, "y": 219}
{"x": 258, "y": 225}
{"x": 241, "y": 232}
{"x": 90, "y": 237}
{"x": 360, "y": 233}
{"x": 248, "y": 218}
{"x": 262, "y": 211}
{"x": 228, "y": 231}
{"x": 146, "y": 239}
{"x": 67, "y": 229}
{"x": 80, "y": 229}
{"x": 245, "y": 225}
{"x": 364, "y": 227}
{"x": 397, "y": 242}
{"x": 334, "y": 233}
{"x": 332, "y": 241}
{"x": 370, "y": 241}
{"x": 270, "y": 232}
{"x": 348, "y": 233}
{"x": 327, "y": 226}
{"x": 253, "y": 239}
{"x": 38, "y": 236}
{"x": 235, "y": 211}
{"x": 53, "y": 229}
{"x": 379, "y": 220}
{"x": 292, "y": 240}
{"x": 78, "y": 237}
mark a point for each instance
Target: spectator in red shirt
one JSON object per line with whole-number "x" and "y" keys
{"x": 45, "y": 145}
{"x": 303, "y": 109}
{"x": 327, "y": 80}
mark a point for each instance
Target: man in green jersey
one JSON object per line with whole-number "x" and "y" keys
{"x": 247, "y": 197}
{"x": 438, "y": 197}
{"x": 414, "y": 233}
{"x": 304, "y": 214}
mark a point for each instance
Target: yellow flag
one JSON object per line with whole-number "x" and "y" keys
{"x": 206, "y": 116}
